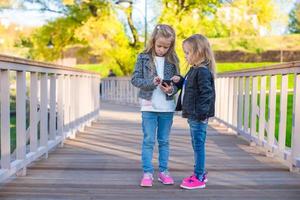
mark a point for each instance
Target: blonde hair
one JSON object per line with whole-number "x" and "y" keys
{"x": 166, "y": 31}
{"x": 201, "y": 51}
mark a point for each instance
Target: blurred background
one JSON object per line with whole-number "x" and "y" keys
{"x": 100, "y": 35}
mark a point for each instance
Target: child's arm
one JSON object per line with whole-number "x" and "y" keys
{"x": 205, "y": 93}
{"x": 138, "y": 80}
{"x": 178, "y": 81}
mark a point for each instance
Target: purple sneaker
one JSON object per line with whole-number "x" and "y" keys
{"x": 165, "y": 178}
{"x": 192, "y": 183}
{"x": 203, "y": 179}
{"x": 147, "y": 180}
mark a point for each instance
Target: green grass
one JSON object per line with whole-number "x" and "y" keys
{"x": 226, "y": 67}
{"x": 289, "y": 116}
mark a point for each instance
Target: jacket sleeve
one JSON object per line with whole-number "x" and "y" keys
{"x": 205, "y": 90}
{"x": 180, "y": 83}
{"x": 176, "y": 86}
{"x": 138, "y": 79}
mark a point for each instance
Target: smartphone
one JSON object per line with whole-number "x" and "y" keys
{"x": 166, "y": 82}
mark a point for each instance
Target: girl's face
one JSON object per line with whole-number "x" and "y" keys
{"x": 162, "y": 46}
{"x": 188, "y": 53}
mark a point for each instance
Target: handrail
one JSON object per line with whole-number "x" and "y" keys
{"x": 238, "y": 105}
{"x": 31, "y": 63}
{"x": 62, "y": 100}
{"x": 285, "y": 68}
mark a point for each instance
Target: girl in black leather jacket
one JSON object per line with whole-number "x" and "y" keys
{"x": 197, "y": 101}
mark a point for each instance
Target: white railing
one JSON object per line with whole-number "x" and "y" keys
{"x": 237, "y": 96}
{"x": 119, "y": 90}
{"x": 238, "y": 105}
{"x": 61, "y": 100}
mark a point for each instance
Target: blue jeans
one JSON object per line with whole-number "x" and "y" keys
{"x": 156, "y": 123}
{"x": 198, "y": 137}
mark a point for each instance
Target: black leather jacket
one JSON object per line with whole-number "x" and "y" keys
{"x": 199, "y": 94}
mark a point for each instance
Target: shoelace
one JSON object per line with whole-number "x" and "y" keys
{"x": 166, "y": 173}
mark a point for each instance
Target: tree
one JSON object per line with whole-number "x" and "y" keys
{"x": 249, "y": 16}
{"x": 190, "y": 16}
{"x": 94, "y": 27}
{"x": 60, "y": 32}
{"x": 294, "y": 19}
{"x": 106, "y": 37}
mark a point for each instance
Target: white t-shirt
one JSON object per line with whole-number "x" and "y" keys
{"x": 158, "y": 102}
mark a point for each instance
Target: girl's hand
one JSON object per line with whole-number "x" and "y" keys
{"x": 175, "y": 79}
{"x": 168, "y": 89}
{"x": 156, "y": 80}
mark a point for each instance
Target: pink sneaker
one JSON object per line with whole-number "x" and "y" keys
{"x": 204, "y": 178}
{"x": 192, "y": 183}
{"x": 147, "y": 180}
{"x": 165, "y": 178}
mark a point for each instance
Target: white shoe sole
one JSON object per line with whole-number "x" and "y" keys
{"x": 145, "y": 185}
{"x": 188, "y": 188}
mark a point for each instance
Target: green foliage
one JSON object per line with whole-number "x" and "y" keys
{"x": 225, "y": 67}
{"x": 59, "y": 33}
{"x": 215, "y": 19}
{"x": 294, "y": 19}
{"x": 106, "y": 37}
{"x": 188, "y": 17}
{"x": 92, "y": 24}
{"x": 247, "y": 17}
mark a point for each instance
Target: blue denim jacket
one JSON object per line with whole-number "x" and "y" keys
{"x": 144, "y": 74}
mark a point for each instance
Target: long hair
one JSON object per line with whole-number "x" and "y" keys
{"x": 166, "y": 31}
{"x": 201, "y": 51}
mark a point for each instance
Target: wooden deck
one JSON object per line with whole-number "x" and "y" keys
{"x": 103, "y": 162}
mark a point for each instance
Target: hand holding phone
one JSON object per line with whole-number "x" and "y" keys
{"x": 166, "y": 82}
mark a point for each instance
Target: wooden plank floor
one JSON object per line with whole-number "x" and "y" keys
{"x": 103, "y": 162}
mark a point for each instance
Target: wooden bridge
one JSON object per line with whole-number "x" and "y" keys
{"x": 81, "y": 149}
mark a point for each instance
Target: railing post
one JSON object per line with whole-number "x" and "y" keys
{"x": 21, "y": 119}
{"x": 44, "y": 112}
{"x": 52, "y": 124}
{"x": 235, "y": 101}
{"x": 246, "y": 105}
{"x": 240, "y": 103}
{"x": 21, "y": 115}
{"x": 5, "y": 119}
{"x": 296, "y": 124}
{"x": 226, "y": 99}
{"x": 253, "y": 106}
{"x": 230, "y": 100}
{"x": 67, "y": 103}
{"x": 262, "y": 108}
{"x": 33, "y": 111}
{"x": 217, "y": 105}
{"x": 60, "y": 106}
{"x": 283, "y": 112}
{"x": 272, "y": 112}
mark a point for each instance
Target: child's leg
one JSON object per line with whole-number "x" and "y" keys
{"x": 198, "y": 133}
{"x": 165, "y": 121}
{"x": 149, "y": 125}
